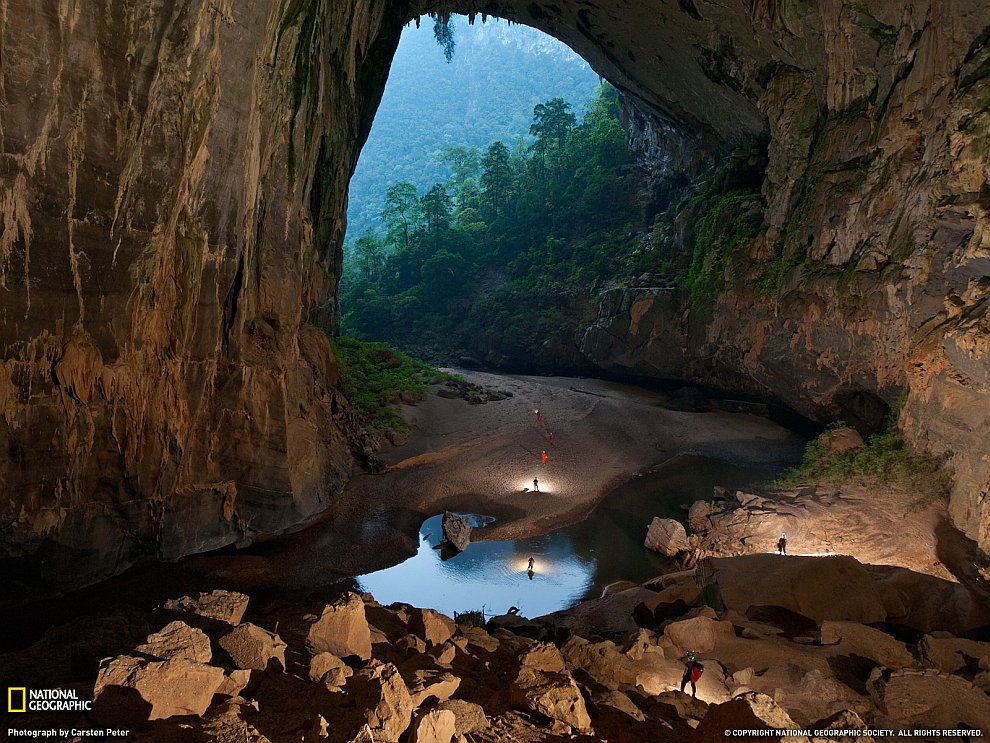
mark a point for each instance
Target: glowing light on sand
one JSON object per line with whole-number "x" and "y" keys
{"x": 546, "y": 486}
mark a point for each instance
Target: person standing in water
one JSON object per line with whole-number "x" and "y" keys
{"x": 782, "y": 544}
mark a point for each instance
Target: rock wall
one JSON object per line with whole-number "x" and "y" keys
{"x": 173, "y": 185}
{"x": 867, "y": 288}
{"x": 172, "y": 190}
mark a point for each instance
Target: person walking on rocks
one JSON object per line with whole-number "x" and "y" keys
{"x": 536, "y": 485}
{"x": 782, "y": 544}
{"x": 543, "y": 457}
{"x": 550, "y": 439}
{"x": 692, "y": 672}
{"x": 539, "y": 418}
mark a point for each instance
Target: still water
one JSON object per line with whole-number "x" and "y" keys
{"x": 571, "y": 563}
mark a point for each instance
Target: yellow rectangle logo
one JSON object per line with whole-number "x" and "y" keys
{"x": 12, "y": 693}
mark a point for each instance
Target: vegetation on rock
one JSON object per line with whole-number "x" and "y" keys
{"x": 885, "y": 459}
{"x": 374, "y": 376}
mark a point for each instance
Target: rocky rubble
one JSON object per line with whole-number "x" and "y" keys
{"x": 812, "y": 644}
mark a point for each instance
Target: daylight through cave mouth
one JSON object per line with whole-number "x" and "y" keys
{"x": 494, "y": 196}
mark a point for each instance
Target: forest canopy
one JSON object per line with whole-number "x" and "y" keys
{"x": 492, "y": 254}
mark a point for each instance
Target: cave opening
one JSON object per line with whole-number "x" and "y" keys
{"x": 494, "y": 198}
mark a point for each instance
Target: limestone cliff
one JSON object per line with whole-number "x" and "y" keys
{"x": 172, "y": 190}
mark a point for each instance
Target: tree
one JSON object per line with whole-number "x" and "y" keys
{"x": 463, "y": 163}
{"x": 496, "y": 177}
{"x": 435, "y": 207}
{"x": 369, "y": 257}
{"x": 552, "y": 121}
{"x": 401, "y": 213}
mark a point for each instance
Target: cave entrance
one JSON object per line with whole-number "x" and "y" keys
{"x": 493, "y": 199}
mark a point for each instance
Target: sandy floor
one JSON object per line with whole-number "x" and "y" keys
{"x": 483, "y": 458}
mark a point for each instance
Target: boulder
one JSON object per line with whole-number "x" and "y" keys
{"x": 237, "y": 683}
{"x": 129, "y": 690}
{"x": 426, "y": 682}
{"x": 432, "y": 626}
{"x": 553, "y": 695}
{"x": 613, "y": 669}
{"x": 456, "y": 530}
{"x": 749, "y": 711}
{"x": 841, "y": 440}
{"x": 952, "y": 654}
{"x": 177, "y": 640}
{"x": 822, "y": 588}
{"x": 698, "y": 515}
{"x": 329, "y": 669}
{"x": 469, "y": 717}
{"x": 868, "y": 642}
{"x": 542, "y": 656}
{"x": 930, "y": 699}
{"x": 253, "y": 648}
{"x": 699, "y": 633}
{"x": 225, "y": 723}
{"x": 342, "y": 629}
{"x": 224, "y": 606}
{"x": 435, "y": 726}
{"x": 381, "y": 694}
{"x": 667, "y": 537}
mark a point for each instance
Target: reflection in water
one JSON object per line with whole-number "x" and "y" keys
{"x": 493, "y": 575}
{"x": 569, "y": 564}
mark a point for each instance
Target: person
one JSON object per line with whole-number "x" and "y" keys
{"x": 536, "y": 485}
{"x": 550, "y": 439}
{"x": 531, "y": 563}
{"x": 692, "y": 672}
{"x": 543, "y": 456}
{"x": 782, "y": 544}
{"x": 539, "y": 418}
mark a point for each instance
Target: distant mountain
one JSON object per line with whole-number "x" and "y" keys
{"x": 499, "y": 72}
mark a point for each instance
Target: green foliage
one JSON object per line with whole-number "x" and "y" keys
{"x": 885, "y": 459}
{"x": 443, "y": 32}
{"x": 485, "y": 93}
{"x": 725, "y": 225}
{"x": 373, "y": 375}
{"x": 494, "y": 262}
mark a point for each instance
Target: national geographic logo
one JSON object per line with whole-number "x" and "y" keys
{"x": 16, "y": 699}
{"x": 22, "y": 699}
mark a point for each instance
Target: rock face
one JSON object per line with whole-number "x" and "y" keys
{"x": 172, "y": 191}
{"x": 342, "y": 629}
{"x": 667, "y": 537}
{"x": 456, "y": 530}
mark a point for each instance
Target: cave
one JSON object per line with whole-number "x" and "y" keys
{"x": 173, "y": 187}
{"x": 173, "y": 201}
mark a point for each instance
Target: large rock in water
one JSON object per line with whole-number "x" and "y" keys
{"x": 667, "y": 537}
{"x": 456, "y": 530}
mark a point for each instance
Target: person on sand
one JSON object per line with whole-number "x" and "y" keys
{"x": 536, "y": 485}
{"x": 543, "y": 456}
{"x": 782, "y": 544}
{"x": 539, "y": 418}
{"x": 550, "y": 439}
{"x": 692, "y": 672}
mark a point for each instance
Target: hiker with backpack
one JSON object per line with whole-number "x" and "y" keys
{"x": 692, "y": 672}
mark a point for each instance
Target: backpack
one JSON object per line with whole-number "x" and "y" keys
{"x": 696, "y": 670}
